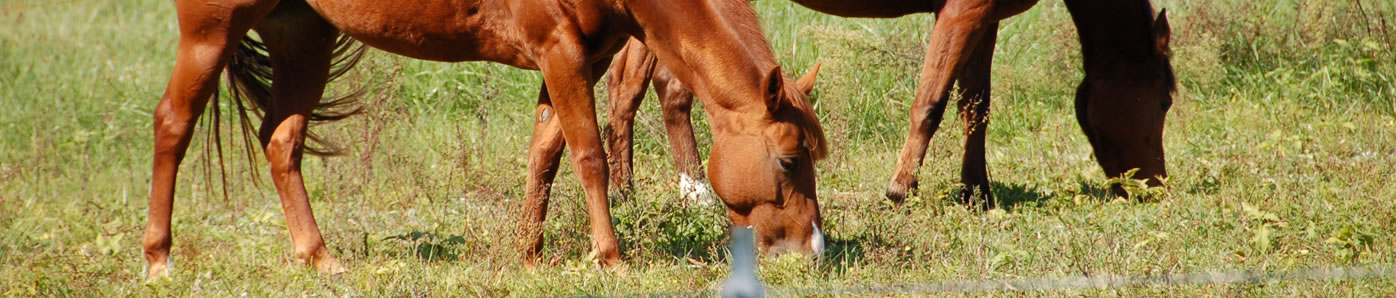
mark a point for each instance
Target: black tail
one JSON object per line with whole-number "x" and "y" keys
{"x": 249, "y": 83}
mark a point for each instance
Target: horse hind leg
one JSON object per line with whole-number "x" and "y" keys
{"x": 629, "y": 80}
{"x": 544, "y": 153}
{"x": 300, "y": 47}
{"x": 974, "y": 113}
{"x": 208, "y": 35}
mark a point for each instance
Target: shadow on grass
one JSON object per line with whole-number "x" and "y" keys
{"x": 1013, "y": 195}
{"x": 432, "y": 247}
{"x": 1094, "y": 190}
{"x": 1106, "y": 193}
{"x": 849, "y": 251}
{"x": 840, "y": 254}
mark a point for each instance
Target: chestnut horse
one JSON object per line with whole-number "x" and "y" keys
{"x": 1121, "y": 104}
{"x": 632, "y": 70}
{"x": 766, "y": 136}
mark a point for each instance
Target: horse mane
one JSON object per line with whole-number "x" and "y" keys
{"x": 808, "y": 121}
{"x": 743, "y": 18}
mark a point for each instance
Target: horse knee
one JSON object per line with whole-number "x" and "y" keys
{"x": 590, "y": 162}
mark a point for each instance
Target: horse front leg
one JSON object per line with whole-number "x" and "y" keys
{"x": 974, "y": 113}
{"x": 958, "y": 28}
{"x": 207, "y": 38}
{"x": 570, "y": 81}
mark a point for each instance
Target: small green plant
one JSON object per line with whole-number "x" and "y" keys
{"x": 1264, "y": 234}
{"x": 787, "y": 269}
{"x": 1007, "y": 255}
{"x": 1350, "y": 244}
{"x": 1136, "y": 189}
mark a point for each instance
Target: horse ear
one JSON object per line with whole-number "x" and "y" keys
{"x": 1161, "y": 32}
{"x": 806, "y": 83}
{"x": 772, "y": 87}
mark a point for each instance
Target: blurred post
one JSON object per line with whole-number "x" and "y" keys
{"x": 742, "y": 280}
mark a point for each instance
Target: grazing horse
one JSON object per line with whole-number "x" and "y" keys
{"x": 632, "y": 70}
{"x": 766, "y": 136}
{"x": 1121, "y": 104}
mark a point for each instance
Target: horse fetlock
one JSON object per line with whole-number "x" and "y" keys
{"x": 607, "y": 254}
{"x": 319, "y": 256}
{"x": 696, "y": 191}
{"x": 157, "y": 246}
{"x": 978, "y": 195}
{"x": 157, "y": 259}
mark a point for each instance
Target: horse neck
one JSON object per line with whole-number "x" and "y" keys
{"x": 1115, "y": 33}
{"x": 714, "y": 46}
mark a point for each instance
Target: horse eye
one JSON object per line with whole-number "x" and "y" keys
{"x": 790, "y": 164}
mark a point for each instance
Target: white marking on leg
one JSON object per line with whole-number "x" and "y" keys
{"x": 816, "y": 240}
{"x": 695, "y": 191}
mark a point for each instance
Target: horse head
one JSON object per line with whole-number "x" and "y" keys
{"x": 764, "y": 172}
{"x": 1121, "y": 105}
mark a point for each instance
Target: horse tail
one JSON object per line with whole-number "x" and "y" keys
{"x": 249, "y": 83}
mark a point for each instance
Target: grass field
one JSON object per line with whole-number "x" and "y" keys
{"x": 1280, "y": 143}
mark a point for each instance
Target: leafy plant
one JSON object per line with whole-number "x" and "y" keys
{"x": 1135, "y": 189}
{"x": 1350, "y": 243}
{"x": 1263, "y": 236}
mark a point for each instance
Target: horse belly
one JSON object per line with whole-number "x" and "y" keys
{"x": 440, "y": 30}
{"x": 872, "y": 8}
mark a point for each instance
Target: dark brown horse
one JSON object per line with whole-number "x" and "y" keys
{"x": 766, "y": 136}
{"x": 1121, "y": 104}
{"x": 632, "y": 70}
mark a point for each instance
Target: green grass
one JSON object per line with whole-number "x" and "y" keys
{"x": 1280, "y": 146}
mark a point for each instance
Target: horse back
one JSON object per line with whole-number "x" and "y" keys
{"x": 503, "y": 31}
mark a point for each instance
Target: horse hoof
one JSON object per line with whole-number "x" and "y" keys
{"x": 975, "y": 201}
{"x": 897, "y": 196}
{"x": 157, "y": 271}
{"x": 329, "y": 265}
{"x": 607, "y": 257}
{"x": 897, "y": 192}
